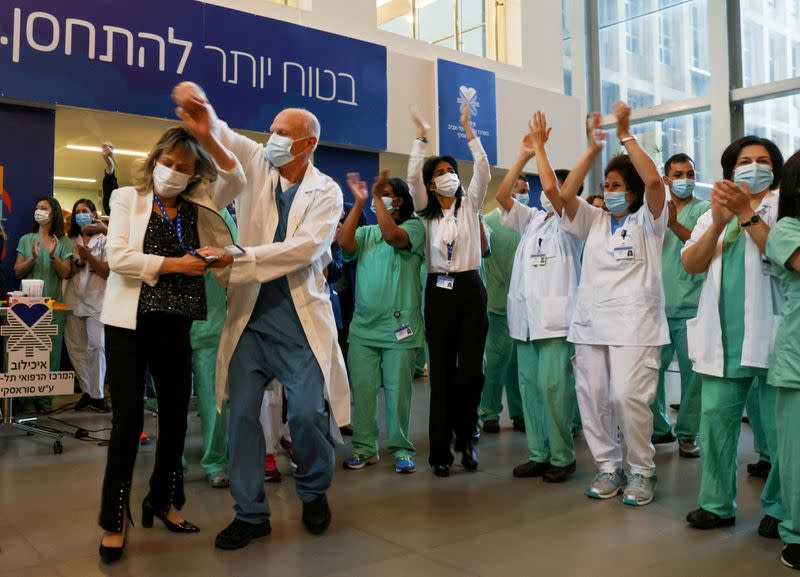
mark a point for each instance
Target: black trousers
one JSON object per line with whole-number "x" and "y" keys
{"x": 456, "y": 324}
{"x": 160, "y": 342}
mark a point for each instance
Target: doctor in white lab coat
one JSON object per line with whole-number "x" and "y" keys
{"x": 619, "y": 324}
{"x": 731, "y": 339}
{"x": 280, "y": 322}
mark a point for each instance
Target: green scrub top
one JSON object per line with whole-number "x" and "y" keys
{"x": 784, "y": 240}
{"x": 387, "y": 283}
{"x": 731, "y": 303}
{"x": 681, "y": 289}
{"x": 206, "y": 334}
{"x": 43, "y": 268}
{"x": 496, "y": 268}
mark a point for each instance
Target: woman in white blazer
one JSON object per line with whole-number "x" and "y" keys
{"x": 731, "y": 339}
{"x": 154, "y": 292}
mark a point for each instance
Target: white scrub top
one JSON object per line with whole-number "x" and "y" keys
{"x": 621, "y": 293}
{"x": 544, "y": 280}
{"x": 86, "y": 290}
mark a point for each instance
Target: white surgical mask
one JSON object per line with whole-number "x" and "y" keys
{"x": 447, "y": 184}
{"x": 757, "y": 176}
{"x": 279, "y": 150}
{"x": 387, "y": 202}
{"x": 41, "y": 216}
{"x": 169, "y": 183}
{"x": 523, "y": 198}
{"x": 547, "y": 206}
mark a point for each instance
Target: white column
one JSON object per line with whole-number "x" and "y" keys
{"x": 720, "y": 83}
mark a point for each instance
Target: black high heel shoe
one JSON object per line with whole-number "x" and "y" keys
{"x": 148, "y": 512}
{"x": 113, "y": 554}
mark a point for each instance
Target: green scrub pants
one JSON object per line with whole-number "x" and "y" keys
{"x": 501, "y": 371}
{"x": 723, "y": 401}
{"x": 371, "y": 367}
{"x": 214, "y": 425}
{"x": 420, "y": 358}
{"x": 787, "y": 414}
{"x": 688, "y": 423}
{"x": 760, "y": 444}
{"x": 547, "y": 388}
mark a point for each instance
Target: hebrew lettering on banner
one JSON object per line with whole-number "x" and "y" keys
{"x": 127, "y": 57}
{"x": 27, "y": 343}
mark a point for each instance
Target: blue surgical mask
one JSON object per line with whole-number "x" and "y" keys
{"x": 524, "y": 198}
{"x": 757, "y": 176}
{"x": 83, "y": 219}
{"x": 683, "y": 188}
{"x": 279, "y": 150}
{"x": 387, "y": 202}
{"x": 616, "y": 203}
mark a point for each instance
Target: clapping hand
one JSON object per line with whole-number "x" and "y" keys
{"x": 357, "y": 187}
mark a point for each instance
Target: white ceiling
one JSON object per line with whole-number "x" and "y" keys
{"x": 92, "y": 128}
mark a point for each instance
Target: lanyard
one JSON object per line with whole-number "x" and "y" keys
{"x": 451, "y": 245}
{"x": 175, "y": 224}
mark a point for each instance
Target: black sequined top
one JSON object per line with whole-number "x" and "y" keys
{"x": 174, "y": 293}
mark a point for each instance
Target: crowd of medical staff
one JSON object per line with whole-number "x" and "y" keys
{"x": 575, "y": 310}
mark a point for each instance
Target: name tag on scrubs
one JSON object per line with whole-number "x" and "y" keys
{"x": 538, "y": 259}
{"x": 445, "y": 282}
{"x": 403, "y": 332}
{"x": 623, "y": 253}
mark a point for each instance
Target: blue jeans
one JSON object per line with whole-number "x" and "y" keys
{"x": 258, "y": 359}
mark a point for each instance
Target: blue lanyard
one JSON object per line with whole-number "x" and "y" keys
{"x": 175, "y": 224}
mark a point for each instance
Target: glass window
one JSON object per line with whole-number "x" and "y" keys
{"x": 663, "y": 138}
{"x": 666, "y": 49}
{"x": 436, "y": 22}
{"x": 776, "y": 119}
{"x": 769, "y": 32}
{"x": 395, "y": 16}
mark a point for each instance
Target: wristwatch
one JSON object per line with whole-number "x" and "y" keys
{"x": 755, "y": 220}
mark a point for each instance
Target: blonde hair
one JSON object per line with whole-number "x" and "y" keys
{"x": 177, "y": 138}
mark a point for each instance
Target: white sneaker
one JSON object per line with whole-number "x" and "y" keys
{"x": 607, "y": 485}
{"x": 640, "y": 490}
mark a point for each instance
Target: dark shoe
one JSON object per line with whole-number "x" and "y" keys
{"x": 99, "y": 405}
{"x": 469, "y": 457}
{"x": 491, "y": 426}
{"x": 83, "y": 402}
{"x": 664, "y": 439}
{"x": 675, "y": 406}
{"x": 43, "y": 406}
{"x": 531, "y": 469}
{"x": 239, "y": 533}
{"x": 760, "y": 469}
{"x": 746, "y": 419}
{"x": 702, "y": 519}
{"x": 476, "y": 436}
{"x": 768, "y": 527}
{"x": 148, "y": 512}
{"x": 346, "y": 431}
{"x": 317, "y": 515}
{"x": 791, "y": 555}
{"x": 519, "y": 425}
{"x": 558, "y": 474}
{"x": 110, "y": 554}
{"x": 441, "y": 470}
{"x": 688, "y": 448}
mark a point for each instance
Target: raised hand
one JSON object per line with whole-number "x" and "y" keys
{"x": 357, "y": 186}
{"x": 735, "y": 197}
{"x": 108, "y": 157}
{"x": 622, "y": 112}
{"x": 380, "y": 183}
{"x": 597, "y": 136}
{"x": 539, "y": 129}
{"x": 196, "y": 117}
{"x": 720, "y": 213}
{"x": 422, "y": 125}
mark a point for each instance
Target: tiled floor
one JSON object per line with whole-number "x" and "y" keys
{"x": 486, "y": 523}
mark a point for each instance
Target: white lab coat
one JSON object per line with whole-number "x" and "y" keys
{"x": 302, "y": 258}
{"x": 541, "y": 298}
{"x": 620, "y": 302}
{"x": 762, "y": 303}
{"x": 130, "y": 266}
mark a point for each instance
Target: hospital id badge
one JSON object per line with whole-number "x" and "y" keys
{"x": 623, "y": 253}
{"x": 444, "y": 281}
{"x": 538, "y": 259}
{"x": 403, "y": 332}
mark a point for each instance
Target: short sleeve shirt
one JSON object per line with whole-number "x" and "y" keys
{"x": 43, "y": 268}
